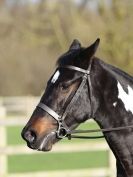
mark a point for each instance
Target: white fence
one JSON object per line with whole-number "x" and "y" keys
{"x": 25, "y": 106}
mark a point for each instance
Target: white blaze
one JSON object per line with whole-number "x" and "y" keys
{"x": 55, "y": 77}
{"x": 127, "y": 99}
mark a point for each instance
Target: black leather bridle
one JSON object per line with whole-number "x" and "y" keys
{"x": 63, "y": 130}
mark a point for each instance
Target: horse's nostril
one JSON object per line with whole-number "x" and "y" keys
{"x": 30, "y": 136}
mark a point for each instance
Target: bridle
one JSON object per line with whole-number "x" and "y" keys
{"x": 63, "y": 130}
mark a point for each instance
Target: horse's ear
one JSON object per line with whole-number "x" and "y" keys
{"x": 75, "y": 45}
{"x": 91, "y": 50}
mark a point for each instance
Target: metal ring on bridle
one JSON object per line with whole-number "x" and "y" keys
{"x": 62, "y": 132}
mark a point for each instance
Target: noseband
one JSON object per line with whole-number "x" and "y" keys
{"x": 63, "y": 130}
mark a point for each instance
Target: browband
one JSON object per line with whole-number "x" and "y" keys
{"x": 77, "y": 69}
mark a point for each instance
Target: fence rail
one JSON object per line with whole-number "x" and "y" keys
{"x": 68, "y": 173}
{"x": 6, "y": 150}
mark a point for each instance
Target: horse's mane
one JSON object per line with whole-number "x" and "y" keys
{"x": 123, "y": 77}
{"x": 116, "y": 70}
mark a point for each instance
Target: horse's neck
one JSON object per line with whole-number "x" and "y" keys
{"x": 113, "y": 92}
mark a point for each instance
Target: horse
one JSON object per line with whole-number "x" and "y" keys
{"x": 85, "y": 87}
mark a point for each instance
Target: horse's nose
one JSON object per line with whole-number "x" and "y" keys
{"x": 29, "y": 135}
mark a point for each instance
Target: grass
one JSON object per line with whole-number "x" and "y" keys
{"x": 14, "y": 135}
{"x": 57, "y": 161}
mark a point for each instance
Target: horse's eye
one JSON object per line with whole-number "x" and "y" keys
{"x": 64, "y": 86}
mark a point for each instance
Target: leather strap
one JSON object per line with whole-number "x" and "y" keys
{"x": 76, "y": 69}
{"x": 75, "y": 97}
{"x": 49, "y": 111}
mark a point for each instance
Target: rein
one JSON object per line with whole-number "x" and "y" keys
{"x": 104, "y": 130}
{"x": 63, "y": 130}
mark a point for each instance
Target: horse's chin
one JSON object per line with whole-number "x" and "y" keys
{"x": 46, "y": 148}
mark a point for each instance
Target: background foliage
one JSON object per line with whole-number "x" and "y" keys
{"x": 33, "y": 35}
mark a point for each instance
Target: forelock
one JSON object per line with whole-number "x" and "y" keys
{"x": 69, "y": 58}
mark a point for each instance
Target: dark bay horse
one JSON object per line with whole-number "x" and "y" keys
{"x": 83, "y": 87}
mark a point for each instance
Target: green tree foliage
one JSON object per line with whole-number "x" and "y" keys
{"x": 32, "y": 36}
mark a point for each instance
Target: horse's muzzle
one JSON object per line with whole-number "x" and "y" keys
{"x": 43, "y": 143}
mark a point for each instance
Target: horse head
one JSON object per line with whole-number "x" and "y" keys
{"x": 61, "y": 108}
